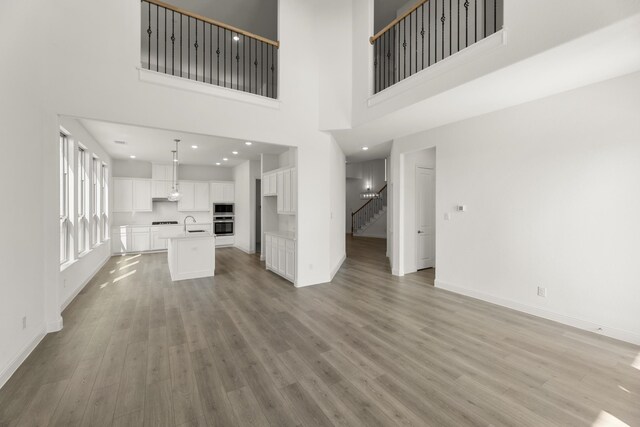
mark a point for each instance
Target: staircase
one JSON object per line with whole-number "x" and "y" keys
{"x": 369, "y": 213}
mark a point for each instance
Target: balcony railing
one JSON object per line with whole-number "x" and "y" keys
{"x": 429, "y": 32}
{"x": 187, "y": 45}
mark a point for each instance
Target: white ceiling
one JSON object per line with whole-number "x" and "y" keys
{"x": 155, "y": 145}
{"x": 602, "y": 55}
{"x": 257, "y": 16}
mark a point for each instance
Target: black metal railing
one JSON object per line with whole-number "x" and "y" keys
{"x": 367, "y": 212}
{"x": 429, "y": 32}
{"x": 194, "y": 47}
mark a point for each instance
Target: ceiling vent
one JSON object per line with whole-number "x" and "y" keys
{"x": 120, "y": 142}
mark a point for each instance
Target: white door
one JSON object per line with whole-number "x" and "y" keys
{"x": 425, "y": 218}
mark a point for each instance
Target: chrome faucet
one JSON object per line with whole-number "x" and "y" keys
{"x": 185, "y": 221}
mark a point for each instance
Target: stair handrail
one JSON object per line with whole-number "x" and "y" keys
{"x": 380, "y": 200}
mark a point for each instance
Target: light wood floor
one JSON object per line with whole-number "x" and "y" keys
{"x": 246, "y": 348}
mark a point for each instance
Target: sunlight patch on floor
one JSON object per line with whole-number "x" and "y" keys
{"x": 117, "y": 279}
{"x": 636, "y": 363}
{"x": 605, "y": 419}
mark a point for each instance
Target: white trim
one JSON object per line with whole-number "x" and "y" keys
{"x": 335, "y": 269}
{"x": 176, "y": 82}
{"x": 246, "y": 251}
{"x": 54, "y": 326}
{"x": 75, "y": 293}
{"x": 586, "y": 325}
{"x": 21, "y": 357}
{"x": 495, "y": 40}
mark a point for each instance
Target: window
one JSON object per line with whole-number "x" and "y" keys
{"x": 64, "y": 199}
{"x": 95, "y": 200}
{"x": 104, "y": 213}
{"x": 83, "y": 226}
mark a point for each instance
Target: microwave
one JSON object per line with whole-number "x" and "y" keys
{"x": 223, "y": 208}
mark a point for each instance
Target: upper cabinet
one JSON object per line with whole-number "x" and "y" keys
{"x": 195, "y": 196}
{"x": 131, "y": 195}
{"x": 283, "y": 184}
{"x": 222, "y": 192}
{"x": 160, "y": 172}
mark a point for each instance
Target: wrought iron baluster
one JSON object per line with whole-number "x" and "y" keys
{"x": 157, "y": 38}
{"x": 484, "y": 13}
{"x": 189, "y": 47}
{"x": 429, "y": 34}
{"x": 404, "y": 46}
{"x": 466, "y": 22}
{"x": 495, "y": 15}
{"x": 410, "y": 38}
{"x": 195, "y": 45}
{"x": 231, "y": 60}
{"x": 210, "y": 53}
{"x": 173, "y": 43}
{"x": 149, "y": 32}
{"x": 181, "y": 38}
{"x": 204, "y": 52}
{"x": 238, "y": 64}
{"x": 244, "y": 64}
{"x": 458, "y": 36}
{"x": 475, "y": 20}
{"x": 443, "y": 20}
{"x": 422, "y": 34}
{"x": 164, "y": 39}
{"x": 218, "y": 58}
{"x": 435, "y": 34}
{"x": 450, "y": 28}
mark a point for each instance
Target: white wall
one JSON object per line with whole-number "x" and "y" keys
{"x": 337, "y": 182}
{"x": 245, "y": 175}
{"x": 22, "y": 290}
{"x": 75, "y": 276}
{"x": 360, "y": 176}
{"x": 552, "y": 193}
{"x": 521, "y": 19}
{"x": 142, "y": 169}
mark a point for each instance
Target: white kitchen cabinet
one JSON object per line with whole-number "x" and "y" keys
{"x": 157, "y": 244}
{"x": 161, "y": 172}
{"x": 195, "y": 196}
{"x": 131, "y": 195}
{"x": 290, "y": 263}
{"x": 286, "y": 191}
{"x": 269, "y": 184}
{"x": 268, "y": 251}
{"x": 140, "y": 239}
{"x": 122, "y": 195}
{"x": 142, "y": 196}
{"x": 280, "y": 191}
{"x": 120, "y": 240}
{"x": 280, "y": 254}
{"x": 188, "y": 200}
{"x": 201, "y": 197}
{"x": 294, "y": 190}
{"x": 222, "y": 192}
{"x": 160, "y": 189}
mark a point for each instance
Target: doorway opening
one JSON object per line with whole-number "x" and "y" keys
{"x": 258, "y": 216}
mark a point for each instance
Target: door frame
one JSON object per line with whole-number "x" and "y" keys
{"x": 417, "y": 207}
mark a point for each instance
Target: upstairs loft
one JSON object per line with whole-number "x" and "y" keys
{"x": 188, "y": 45}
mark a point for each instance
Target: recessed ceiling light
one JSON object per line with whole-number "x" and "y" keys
{"x": 365, "y": 148}
{"x": 236, "y": 38}
{"x": 175, "y": 160}
{"x": 194, "y": 146}
{"x": 132, "y": 156}
{"x": 225, "y": 159}
{"x": 218, "y": 164}
{"x": 247, "y": 143}
{"x": 234, "y": 152}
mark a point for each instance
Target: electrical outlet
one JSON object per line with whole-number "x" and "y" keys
{"x": 24, "y": 322}
{"x": 542, "y": 292}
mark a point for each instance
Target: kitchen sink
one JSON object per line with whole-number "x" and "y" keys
{"x": 196, "y": 231}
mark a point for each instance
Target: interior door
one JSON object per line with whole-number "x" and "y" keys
{"x": 425, "y": 218}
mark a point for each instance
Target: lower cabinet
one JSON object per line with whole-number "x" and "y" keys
{"x": 157, "y": 244}
{"x": 280, "y": 255}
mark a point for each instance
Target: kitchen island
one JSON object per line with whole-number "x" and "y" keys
{"x": 191, "y": 254}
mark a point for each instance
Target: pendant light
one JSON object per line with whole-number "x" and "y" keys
{"x": 175, "y": 195}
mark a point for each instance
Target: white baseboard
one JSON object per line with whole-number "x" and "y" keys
{"x": 245, "y": 250}
{"x": 335, "y": 269}
{"x": 586, "y": 325}
{"x": 54, "y": 326}
{"x": 20, "y": 358}
{"x": 75, "y": 293}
